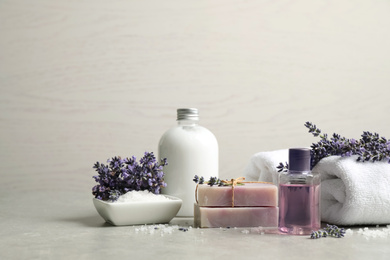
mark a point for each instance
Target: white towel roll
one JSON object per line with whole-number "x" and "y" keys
{"x": 354, "y": 193}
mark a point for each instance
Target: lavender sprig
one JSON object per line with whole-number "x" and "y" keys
{"x": 330, "y": 230}
{"x": 123, "y": 175}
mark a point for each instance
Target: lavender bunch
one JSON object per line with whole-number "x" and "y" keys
{"x": 124, "y": 175}
{"x": 371, "y": 147}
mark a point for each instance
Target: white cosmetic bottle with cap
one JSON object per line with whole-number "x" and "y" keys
{"x": 190, "y": 150}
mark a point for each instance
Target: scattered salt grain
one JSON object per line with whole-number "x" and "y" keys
{"x": 157, "y": 229}
{"x": 140, "y": 196}
{"x": 378, "y": 233}
{"x": 245, "y": 231}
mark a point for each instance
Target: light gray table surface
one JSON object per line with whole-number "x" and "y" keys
{"x": 46, "y": 222}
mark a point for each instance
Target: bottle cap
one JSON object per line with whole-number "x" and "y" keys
{"x": 299, "y": 159}
{"x": 187, "y": 114}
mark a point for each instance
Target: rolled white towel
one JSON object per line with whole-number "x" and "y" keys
{"x": 352, "y": 193}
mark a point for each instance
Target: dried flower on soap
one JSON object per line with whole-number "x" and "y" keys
{"x": 371, "y": 147}
{"x": 211, "y": 182}
{"x": 214, "y": 181}
{"x": 123, "y": 175}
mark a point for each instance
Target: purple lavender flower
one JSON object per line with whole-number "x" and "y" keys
{"x": 212, "y": 181}
{"x": 196, "y": 179}
{"x": 281, "y": 167}
{"x": 114, "y": 195}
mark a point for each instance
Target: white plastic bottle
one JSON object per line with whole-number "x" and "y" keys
{"x": 190, "y": 150}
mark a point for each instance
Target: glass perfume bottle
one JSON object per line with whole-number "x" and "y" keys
{"x": 190, "y": 150}
{"x": 299, "y": 195}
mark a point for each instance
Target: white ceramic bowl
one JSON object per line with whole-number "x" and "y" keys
{"x": 138, "y": 213}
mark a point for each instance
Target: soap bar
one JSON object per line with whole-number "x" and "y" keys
{"x": 247, "y": 195}
{"x": 205, "y": 217}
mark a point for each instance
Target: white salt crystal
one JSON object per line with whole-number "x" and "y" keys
{"x": 348, "y": 232}
{"x": 245, "y": 231}
{"x": 140, "y": 196}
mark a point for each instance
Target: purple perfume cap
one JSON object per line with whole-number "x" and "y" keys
{"x": 299, "y": 159}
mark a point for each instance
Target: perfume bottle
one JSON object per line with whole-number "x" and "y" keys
{"x": 299, "y": 195}
{"x": 190, "y": 150}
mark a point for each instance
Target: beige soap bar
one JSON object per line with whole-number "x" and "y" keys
{"x": 247, "y": 195}
{"x": 205, "y": 217}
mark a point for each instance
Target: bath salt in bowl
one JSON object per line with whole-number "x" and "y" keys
{"x": 139, "y": 196}
{"x": 138, "y": 208}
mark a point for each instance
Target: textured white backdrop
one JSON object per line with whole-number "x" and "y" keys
{"x": 84, "y": 80}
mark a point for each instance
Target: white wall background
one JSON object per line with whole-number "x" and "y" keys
{"x": 84, "y": 80}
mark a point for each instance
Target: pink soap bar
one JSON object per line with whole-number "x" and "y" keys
{"x": 247, "y": 195}
{"x": 205, "y": 217}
